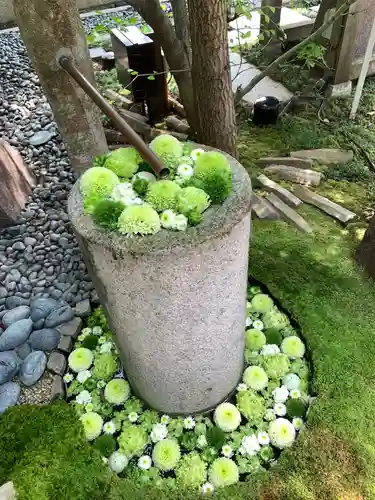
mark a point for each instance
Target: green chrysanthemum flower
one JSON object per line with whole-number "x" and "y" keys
{"x": 166, "y": 454}
{"x": 213, "y": 170}
{"x": 123, "y": 162}
{"x": 223, "y": 472}
{"x": 227, "y": 417}
{"x": 255, "y": 378}
{"x": 105, "y": 366}
{"x": 261, "y": 303}
{"x": 191, "y": 471}
{"x": 117, "y": 391}
{"x": 186, "y": 160}
{"x": 105, "y": 444}
{"x": 98, "y": 182}
{"x": 255, "y": 339}
{"x": 90, "y": 342}
{"x": 141, "y": 219}
{"x": 194, "y": 218}
{"x": 107, "y": 212}
{"x": 273, "y": 336}
{"x": 293, "y": 347}
{"x": 162, "y": 195}
{"x": 168, "y": 148}
{"x": 266, "y": 454}
{"x": 251, "y": 406}
{"x": 276, "y": 366}
{"x": 300, "y": 368}
{"x": 295, "y": 408}
{"x": 80, "y": 359}
{"x": 92, "y": 423}
{"x": 282, "y": 433}
{"x": 132, "y": 441}
{"x": 274, "y": 318}
{"x": 192, "y": 198}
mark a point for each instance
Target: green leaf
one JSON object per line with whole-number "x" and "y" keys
{"x": 124, "y": 92}
{"x": 151, "y": 77}
{"x": 133, "y": 20}
{"x": 272, "y": 9}
{"x": 266, "y": 19}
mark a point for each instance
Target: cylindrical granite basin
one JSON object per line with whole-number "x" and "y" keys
{"x": 176, "y": 301}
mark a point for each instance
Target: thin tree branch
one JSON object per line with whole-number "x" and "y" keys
{"x": 241, "y": 92}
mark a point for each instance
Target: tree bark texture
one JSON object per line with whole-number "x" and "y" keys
{"x": 270, "y": 21}
{"x": 365, "y": 255}
{"x": 181, "y": 24}
{"x": 174, "y": 51}
{"x": 50, "y": 29}
{"x": 211, "y": 78}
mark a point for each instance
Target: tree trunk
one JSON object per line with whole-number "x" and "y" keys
{"x": 270, "y": 21}
{"x": 174, "y": 51}
{"x": 52, "y": 28}
{"x": 181, "y": 25}
{"x": 365, "y": 255}
{"x": 211, "y": 78}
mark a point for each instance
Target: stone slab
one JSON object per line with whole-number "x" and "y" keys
{"x": 337, "y": 211}
{"x": 293, "y": 174}
{"x": 176, "y": 106}
{"x": 16, "y": 184}
{"x": 71, "y": 328}
{"x": 325, "y": 156}
{"x": 176, "y": 124}
{"x": 137, "y": 122}
{"x": 286, "y": 160}
{"x": 65, "y": 344}
{"x": 118, "y": 99}
{"x": 57, "y": 388}
{"x": 263, "y": 209}
{"x": 289, "y": 214}
{"x": 282, "y": 193}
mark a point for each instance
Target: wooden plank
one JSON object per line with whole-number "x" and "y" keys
{"x": 289, "y": 214}
{"x": 293, "y": 174}
{"x": 325, "y": 156}
{"x": 337, "y": 211}
{"x": 283, "y": 193}
{"x": 176, "y": 124}
{"x": 290, "y": 162}
{"x": 263, "y": 208}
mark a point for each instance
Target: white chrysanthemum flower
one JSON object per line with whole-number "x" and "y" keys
{"x": 280, "y": 409}
{"x": 144, "y": 462}
{"x": 117, "y": 462}
{"x": 270, "y": 415}
{"x": 280, "y": 394}
{"x": 196, "y": 152}
{"x": 282, "y": 433}
{"x": 86, "y": 331}
{"x": 136, "y": 201}
{"x": 106, "y": 347}
{"x": 270, "y": 350}
{"x": 249, "y": 322}
{"x": 249, "y": 445}
{"x": 146, "y": 176}
{"x": 68, "y": 377}
{"x": 167, "y": 219}
{"x": 298, "y": 423}
{"x": 102, "y": 339}
{"x": 180, "y": 222}
{"x": 185, "y": 171}
{"x": 227, "y": 451}
{"x": 295, "y": 394}
{"x": 291, "y": 381}
{"x": 97, "y": 330}
{"x": 208, "y": 489}
{"x": 158, "y": 433}
{"x": 189, "y": 423}
{"x": 202, "y": 441}
{"x": 109, "y": 428}
{"x": 133, "y": 417}
{"x": 83, "y": 398}
{"x": 83, "y": 376}
{"x": 241, "y": 387}
{"x": 101, "y": 384}
{"x": 124, "y": 192}
{"x": 81, "y": 337}
{"x": 227, "y": 417}
{"x": 258, "y": 324}
{"x": 89, "y": 407}
{"x": 263, "y": 438}
{"x": 165, "y": 419}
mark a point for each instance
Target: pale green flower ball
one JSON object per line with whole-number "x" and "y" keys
{"x": 98, "y": 182}
{"x": 132, "y": 441}
{"x": 146, "y": 176}
{"x": 261, "y": 303}
{"x": 255, "y": 378}
{"x": 227, "y": 417}
{"x": 293, "y": 347}
{"x": 123, "y": 162}
{"x": 117, "y": 391}
{"x": 162, "y": 195}
{"x": 168, "y": 148}
{"x": 251, "y": 406}
{"x": 166, "y": 454}
{"x": 223, "y": 472}
{"x": 105, "y": 366}
{"x": 192, "y": 198}
{"x": 255, "y": 339}
{"x": 191, "y": 471}
{"x": 80, "y": 359}
{"x": 292, "y": 381}
{"x": 139, "y": 219}
{"x": 282, "y": 433}
{"x": 276, "y": 366}
{"x": 274, "y": 318}
{"x": 92, "y": 424}
{"x": 117, "y": 462}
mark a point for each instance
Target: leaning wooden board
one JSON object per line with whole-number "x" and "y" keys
{"x": 337, "y": 211}
{"x": 288, "y": 213}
